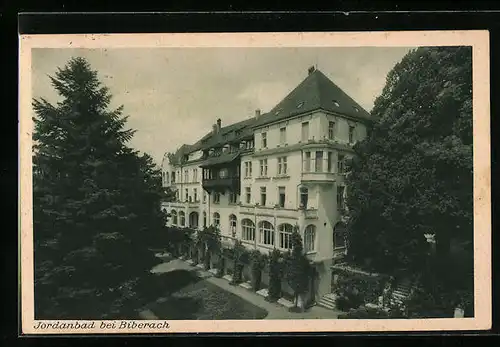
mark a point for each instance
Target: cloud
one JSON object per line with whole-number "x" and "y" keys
{"x": 264, "y": 95}
{"x": 174, "y": 95}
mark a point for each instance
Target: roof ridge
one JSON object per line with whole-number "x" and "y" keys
{"x": 344, "y": 94}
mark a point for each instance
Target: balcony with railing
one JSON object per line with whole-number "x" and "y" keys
{"x": 311, "y": 213}
{"x": 319, "y": 177}
{"x": 193, "y": 204}
{"x": 173, "y": 205}
{"x": 221, "y": 184}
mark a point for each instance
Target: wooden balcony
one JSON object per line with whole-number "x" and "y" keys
{"x": 222, "y": 184}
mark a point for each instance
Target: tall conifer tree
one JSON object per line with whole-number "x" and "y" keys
{"x": 96, "y": 202}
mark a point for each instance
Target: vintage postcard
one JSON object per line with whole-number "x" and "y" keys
{"x": 255, "y": 182}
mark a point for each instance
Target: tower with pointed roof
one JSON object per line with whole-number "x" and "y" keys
{"x": 259, "y": 178}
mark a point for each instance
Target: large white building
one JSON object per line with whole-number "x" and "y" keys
{"x": 259, "y": 178}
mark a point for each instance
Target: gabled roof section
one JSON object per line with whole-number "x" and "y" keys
{"x": 231, "y": 133}
{"x": 179, "y": 153}
{"x": 315, "y": 92}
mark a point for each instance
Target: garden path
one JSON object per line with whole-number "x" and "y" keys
{"x": 275, "y": 310}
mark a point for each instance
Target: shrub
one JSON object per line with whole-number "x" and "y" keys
{"x": 349, "y": 299}
{"x": 368, "y": 287}
{"x": 220, "y": 267}
{"x": 425, "y": 304}
{"x": 298, "y": 269}
{"x": 365, "y": 313}
{"x": 275, "y": 275}
{"x": 240, "y": 255}
{"x": 258, "y": 262}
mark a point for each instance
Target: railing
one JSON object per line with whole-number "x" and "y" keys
{"x": 231, "y": 183}
{"x": 319, "y": 176}
{"x": 311, "y": 214}
{"x": 194, "y": 204}
{"x": 173, "y": 204}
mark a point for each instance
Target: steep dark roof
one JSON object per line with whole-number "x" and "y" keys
{"x": 231, "y": 133}
{"x": 316, "y": 91}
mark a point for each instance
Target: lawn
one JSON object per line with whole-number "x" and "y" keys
{"x": 201, "y": 300}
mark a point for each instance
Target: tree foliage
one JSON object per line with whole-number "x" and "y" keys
{"x": 258, "y": 263}
{"x": 275, "y": 274}
{"x": 413, "y": 174}
{"x": 96, "y": 201}
{"x": 298, "y": 269}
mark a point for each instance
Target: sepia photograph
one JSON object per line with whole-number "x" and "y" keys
{"x": 282, "y": 185}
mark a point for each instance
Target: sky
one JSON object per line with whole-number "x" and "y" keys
{"x": 173, "y": 95}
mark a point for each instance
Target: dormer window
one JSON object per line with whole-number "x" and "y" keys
{"x": 356, "y": 109}
{"x": 336, "y": 103}
{"x": 300, "y": 104}
{"x": 277, "y": 112}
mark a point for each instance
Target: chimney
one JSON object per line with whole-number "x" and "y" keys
{"x": 257, "y": 113}
{"x": 310, "y": 70}
{"x": 214, "y": 128}
{"x": 218, "y": 124}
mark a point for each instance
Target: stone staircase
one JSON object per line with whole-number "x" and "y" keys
{"x": 327, "y": 301}
{"x": 401, "y": 292}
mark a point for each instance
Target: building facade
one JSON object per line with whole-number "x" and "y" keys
{"x": 259, "y": 178}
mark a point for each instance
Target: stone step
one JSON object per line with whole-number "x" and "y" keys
{"x": 399, "y": 295}
{"x": 329, "y": 299}
{"x": 331, "y": 296}
{"x": 263, "y": 292}
{"x": 246, "y": 285}
{"x": 285, "y": 302}
{"x": 326, "y": 304}
{"x": 213, "y": 271}
{"x": 182, "y": 257}
{"x": 228, "y": 278}
{"x": 399, "y": 290}
{"x": 190, "y": 262}
{"x": 200, "y": 266}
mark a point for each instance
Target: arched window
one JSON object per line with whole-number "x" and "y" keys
{"x": 173, "y": 213}
{"x": 266, "y": 233}
{"x": 339, "y": 234}
{"x": 285, "y": 236}
{"x": 182, "y": 217}
{"x": 310, "y": 238}
{"x": 232, "y": 224}
{"x": 193, "y": 220}
{"x": 247, "y": 230}
{"x": 204, "y": 219}
{"x": 216, "y": 219}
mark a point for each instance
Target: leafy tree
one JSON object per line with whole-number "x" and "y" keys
{"x": 95, "y": 201}
{"x": 240, "y": 255}
{"x": 258, "y": 262}
{"x": 298, "y": 270}
{"x": 209, "y": 242}
{"x": 412, "y": 175}
{"x": 177, "y": 239}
